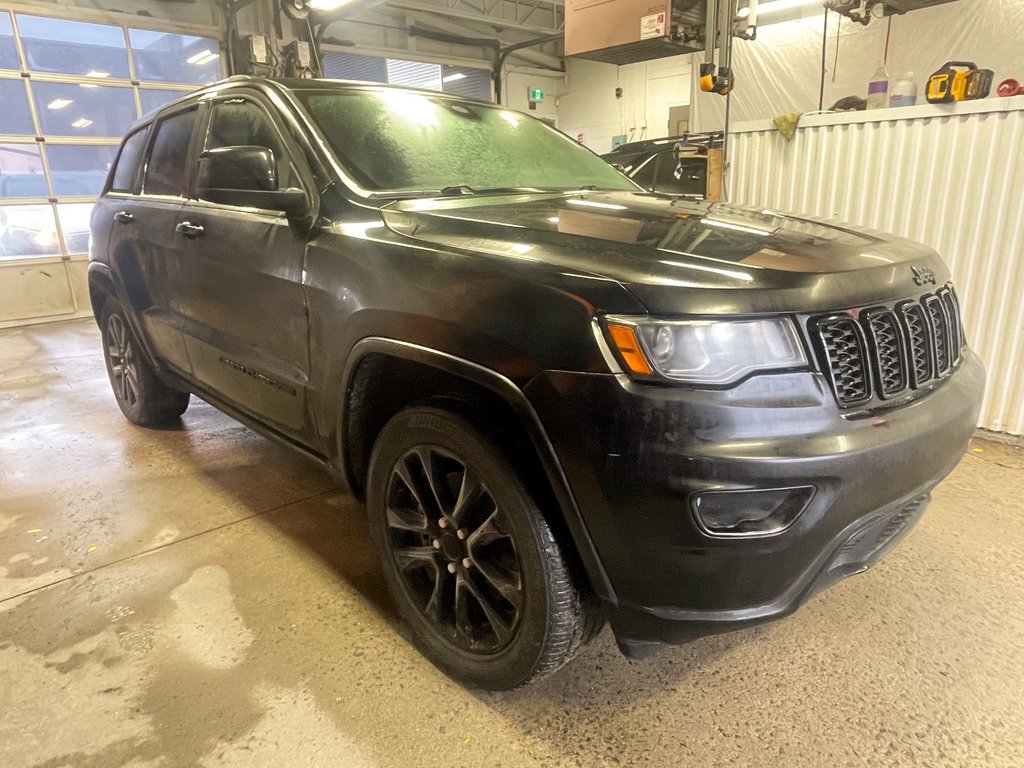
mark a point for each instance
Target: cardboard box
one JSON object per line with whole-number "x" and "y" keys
{"x": 594, "y": 25}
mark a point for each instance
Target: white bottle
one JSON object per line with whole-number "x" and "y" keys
{"x": 878, "y": 89}
{"x": 903, "y": 92}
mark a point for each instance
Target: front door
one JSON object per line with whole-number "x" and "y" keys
{"x": 239, "y": 283}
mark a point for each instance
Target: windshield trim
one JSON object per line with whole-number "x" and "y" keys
{"x": 386, "y": 196}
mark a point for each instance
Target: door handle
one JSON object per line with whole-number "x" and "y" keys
{"x": 188, "y": 229}
{"x": 124, "y": 217}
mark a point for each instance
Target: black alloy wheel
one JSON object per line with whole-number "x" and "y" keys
{"x": 449, "y": 542}
{"x": 124, "y": 370}
{"x": 471, "y": 563}
{"x": 142, "y": 397}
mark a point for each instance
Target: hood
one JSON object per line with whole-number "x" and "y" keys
{"x": 680, "y": 257}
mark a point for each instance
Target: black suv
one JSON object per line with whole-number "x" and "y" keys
{"x": 565, "y": 400}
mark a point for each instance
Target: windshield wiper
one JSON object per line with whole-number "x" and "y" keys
{"x": 465, "y": 189}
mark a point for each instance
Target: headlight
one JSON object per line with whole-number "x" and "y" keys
{"x": 713, "y": 352}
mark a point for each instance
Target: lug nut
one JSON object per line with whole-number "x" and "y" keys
{"x": 436, "y": 543}
{"x": 461, "y": 533}
{"x": 443, "y": 522}
{"x": 467, "y": 563}
{"x": 451, "y": 568}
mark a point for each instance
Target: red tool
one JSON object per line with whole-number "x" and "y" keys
{"x": 1010, "y": 87}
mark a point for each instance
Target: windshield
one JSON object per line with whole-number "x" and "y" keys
{"x": 403, "y": 141}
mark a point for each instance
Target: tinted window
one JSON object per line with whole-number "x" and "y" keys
{"x": 168, "y": 160}
{"x": 692, "y": 175}
{"x": 242, "y": 123}
{"x": 128, "y": 161}
{"x": 645, "y": 176}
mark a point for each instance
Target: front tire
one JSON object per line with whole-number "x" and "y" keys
{"x": 141, "y": 396}
{"x": 471, "y": 563}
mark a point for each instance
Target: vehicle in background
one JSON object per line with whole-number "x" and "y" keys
{"x": 31, "y": 230}
{"x": 674, "y": 165}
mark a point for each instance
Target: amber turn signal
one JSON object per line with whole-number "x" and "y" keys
{"x": 624, "y": 338}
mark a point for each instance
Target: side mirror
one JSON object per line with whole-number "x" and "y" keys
{"x": 246, "y": 176}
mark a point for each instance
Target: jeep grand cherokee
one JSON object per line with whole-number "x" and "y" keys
{"x": 565, "y": 400}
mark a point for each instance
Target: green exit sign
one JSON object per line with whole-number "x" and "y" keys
{"x": 536, "y": 94}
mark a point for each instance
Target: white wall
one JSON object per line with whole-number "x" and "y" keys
{"x": 781, "y": 71}
{"x": 588, "y": 105}
{"x": 515, "y": 91}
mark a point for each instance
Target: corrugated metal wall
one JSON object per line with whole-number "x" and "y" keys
{"x": 953, "y": 181}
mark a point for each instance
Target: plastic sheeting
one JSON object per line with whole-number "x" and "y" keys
{"x": 781, "y": 70}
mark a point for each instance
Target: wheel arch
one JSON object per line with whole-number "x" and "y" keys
{"x": 384, "y": 376}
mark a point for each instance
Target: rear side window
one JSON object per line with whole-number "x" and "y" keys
{"x": 128, "y": 161}
{"x": 168, "y": 160}
{"x": 242, "y": 123}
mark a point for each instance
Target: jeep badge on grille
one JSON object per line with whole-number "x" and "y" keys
{"x": 923, "y": 275}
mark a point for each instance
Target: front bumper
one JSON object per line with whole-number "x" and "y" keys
{"x": 636, "y": 455}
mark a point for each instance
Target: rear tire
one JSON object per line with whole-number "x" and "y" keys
{"x": 141, "y": 396}
{"x": 472, "y": 565}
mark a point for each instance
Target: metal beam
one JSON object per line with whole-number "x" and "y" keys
{"x": 534, "y": 57}
{"x": 477, "y": 18}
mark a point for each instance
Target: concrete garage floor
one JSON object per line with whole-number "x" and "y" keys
{"x": 201, "y": 597}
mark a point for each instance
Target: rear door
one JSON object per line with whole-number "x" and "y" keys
{"x": 239, "y": 288}
{"x": 147, "y": 259}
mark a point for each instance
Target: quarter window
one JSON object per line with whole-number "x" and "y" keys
{"x": 165, "y": 171}
{"x": 127, "y": 162}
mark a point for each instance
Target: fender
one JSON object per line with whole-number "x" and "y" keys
{"x": 514, "y": 397}
{"x": 100, "y": 272}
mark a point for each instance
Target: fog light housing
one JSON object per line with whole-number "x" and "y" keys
{"x": 758, "y": 512}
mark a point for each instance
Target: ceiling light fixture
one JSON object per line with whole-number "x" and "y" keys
{"x": 81, "y": 122}
{"x": 96, "y": 73}
{"x": 59, "y": 103}
{"x": 327, "y": 5}
{"x": 203, "y": 57}
{"x": 453, "y": 77}
{"x": 779, "y": 6}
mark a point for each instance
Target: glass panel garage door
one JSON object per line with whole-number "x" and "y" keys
{"x": 70, "y": 90}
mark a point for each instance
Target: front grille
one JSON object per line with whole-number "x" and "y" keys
{"x": 846, "y": 359}
{"x": 886, "y": 352}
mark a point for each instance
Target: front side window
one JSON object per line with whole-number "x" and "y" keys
{"x": 402, "y": 141}
{"x": 128, "y": 161}
{"x": 692, "y": 178}
{"x": 240, "y": 122}
{"x": 168, "y": 160}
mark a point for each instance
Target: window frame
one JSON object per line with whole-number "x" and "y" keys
{"x": 303, "y": 175}
{"x": 172, "y": 111}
